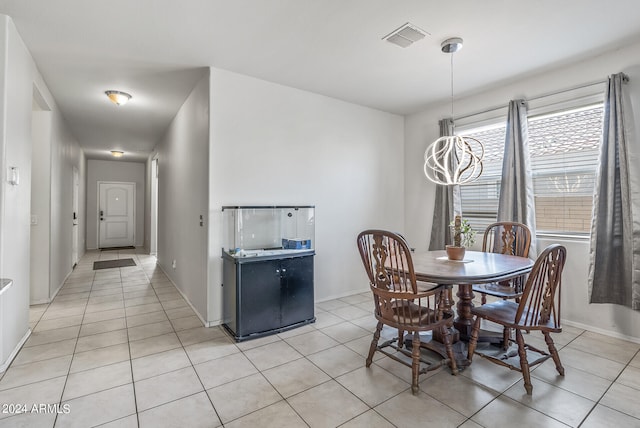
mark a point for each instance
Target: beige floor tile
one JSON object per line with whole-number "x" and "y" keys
{"x": 254, "y": 343}
{"x": 103, "y": 316}
{"x": 45, "y": 392}
{"x": 623, "y": 399}
{"x": 51, "y": 314}
{"x": 35, "y": 372}
{"x": 331, "y": 305}
{"x": 351, "y": 312}
{"x": 457, "y": 392}
{"x": 186, "y": 323}
{"x": 149, "y": 330}
{"x": 470, "y": 424}
{"x": 98, "y": 379}
{"x": 295, "y": 376}
{"x": 138, "y": 301}
{"x": 199, "y": 334}
{"x": 99, "y": 357}
{"x": 130, "y": 421}
{"x": 312, "y": 342}
{"x": 46, "y": 325}
{"x": 630, "y": 377}
{"x": 308, "y": 328}
{"x": 98, "y": 408}
{"x": 328, "y": 404}
{"x": 242, "y": 396}
{"x": 109, "y": 298}
{"x": 369, "y": 323}
{"x": 166, "y": 387}
{"x": 180, "y": 313}
{"x": 326, "y": 319}
{"x": 147, "y": 292}
{"x": 50, "y": 336}
{"x": 337, "y": 361}
{"x": 605, "y": 417}
{"x": 30, "y": 420}
{"x": 153, "y": 345}
{"x": 89, "y": 329}
{"x": 372, "y": 385}
{"x": 194, "y": 411}
{"x": 272, "y": 355}
{"x": 605, "y": 347}
{"x": 45, "y": 352}
{"x": 552, "y": 401}
{"x": 354, "y": 299}
{"x": 224, "y": 370}
{"x": 101, "y": 340}
{"x": 279, "y": 415}
{"x": 106, "y": 292}
{"x": 491, "y": 375}
{"x": 503, "y": 412}
{"x": 148, "y": 318}
{"x": 362, "y": 346}
{"x": 175, "y": 303}
{"x": 590, "y": 363}
{"x": 211, "y": 349}
{"x": 345, "y": 332}
{"x": 370, "y": 419}
{"x": 635, "y": 362}
{"x": 143, "y": 309}
{"x": 585, "y": 384}
{"x": 160, "y": 363}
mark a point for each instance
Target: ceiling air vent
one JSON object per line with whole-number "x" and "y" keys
{"x": 405, "y": 35}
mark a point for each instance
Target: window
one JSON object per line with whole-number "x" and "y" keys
{"x": 564, "y": 149}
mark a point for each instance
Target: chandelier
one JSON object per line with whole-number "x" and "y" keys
{"x": 454, "y": 159}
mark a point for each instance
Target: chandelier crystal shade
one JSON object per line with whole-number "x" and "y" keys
{"x": 454, "y": 159}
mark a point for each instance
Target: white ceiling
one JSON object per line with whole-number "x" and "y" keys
{"x": 156, "y": 50}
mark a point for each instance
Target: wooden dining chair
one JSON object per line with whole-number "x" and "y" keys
{"x": 399, "y": 303}
{"x": 539, "y": 309}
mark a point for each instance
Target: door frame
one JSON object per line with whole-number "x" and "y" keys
{"x": 75, "y": 207}
{"x": 98, "y": 208}
{"x": 153, "y": 226}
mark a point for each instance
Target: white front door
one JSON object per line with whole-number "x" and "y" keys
{"x": 116, "y": 214}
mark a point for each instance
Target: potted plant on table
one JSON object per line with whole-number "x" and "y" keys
{"x": 463, "y": 236}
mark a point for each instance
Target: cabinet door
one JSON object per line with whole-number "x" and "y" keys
{"x": 259, "y": 305}
{"x": 297, "y": 290}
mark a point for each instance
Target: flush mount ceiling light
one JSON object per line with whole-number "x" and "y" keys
{"x": 453, "y": 159}
{"x": 405, "y": 35}
{"x": 117, "y": 153}
{"x": 119, "y": 98}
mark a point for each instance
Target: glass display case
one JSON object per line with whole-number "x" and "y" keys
{"x": 267, "y": 258}
{"x": 263, "y": 231}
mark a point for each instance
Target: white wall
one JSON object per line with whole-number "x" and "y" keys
{"x": 183, "y": 172}
{"x": 272, "y": 144}
{"x": 16, "y": 80}
{"x": 99, "y": 170}
{"x": 422, "y": 128}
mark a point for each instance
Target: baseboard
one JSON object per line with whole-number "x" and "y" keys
{"x": 186, "y": 299}
{"x": 602, "y": 331}
{"x": 5, "y": 365}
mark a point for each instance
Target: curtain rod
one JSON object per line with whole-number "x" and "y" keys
{"x": 549, "y": 94}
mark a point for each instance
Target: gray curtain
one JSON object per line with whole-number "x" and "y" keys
{"x": 516, "y": 201}
{"x": 447, "y": 203}
{"x": 615, "y": 243}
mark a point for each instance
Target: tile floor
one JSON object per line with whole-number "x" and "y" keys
{"x": 121, "y": 348}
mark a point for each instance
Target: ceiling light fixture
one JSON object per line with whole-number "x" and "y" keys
{"x": 405, "y": 35}
{"x": 453, "y": 159}
{"x": 117, "y": 153}
{"x": 119, "y": 98}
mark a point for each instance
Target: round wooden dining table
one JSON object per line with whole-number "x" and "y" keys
{"x": 476, "y": 268}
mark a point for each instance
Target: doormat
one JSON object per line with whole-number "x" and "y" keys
{"x": 117, "y": 248}
{"x": 107, "y": 264}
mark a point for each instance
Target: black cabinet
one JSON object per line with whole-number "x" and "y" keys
{"x": 267, "y": 295}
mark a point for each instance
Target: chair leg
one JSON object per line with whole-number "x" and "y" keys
{"x": 483, "y": 299}
{"x": 415, "y": 366}
{"x": 524, "y": 364}
{"x": 554, "y": 352}
{"x": 400, "y": 338}
{"x": 506, "y": 337}
{"x": 473, "y": 341}
{"x": 374, "y": 343}
{"x": 449, "y": 347}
